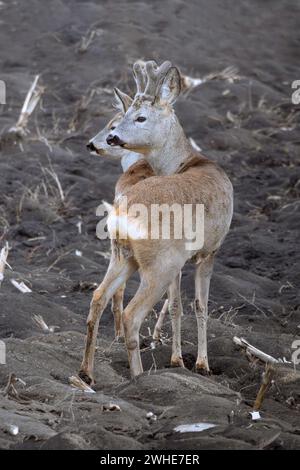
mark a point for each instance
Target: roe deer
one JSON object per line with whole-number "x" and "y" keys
{"x": 150, "y": 127}
{"x": 98, "y": 145}
{"x": 135, "y": 169}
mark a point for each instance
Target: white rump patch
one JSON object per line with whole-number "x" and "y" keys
{"x": 124, "y": 226}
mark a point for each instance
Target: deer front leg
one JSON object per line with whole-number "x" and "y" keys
{"x": 175, "y": 309}
{"x": 202, "y": 282}
{"x": 117, "y": 274}
{"x": 117, "y": 310}
{"x": 97, "y": 307}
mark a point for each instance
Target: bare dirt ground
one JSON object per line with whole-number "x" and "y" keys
{"x": 82, "y": 49}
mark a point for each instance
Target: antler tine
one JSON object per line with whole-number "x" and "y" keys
{"x": 155, "y": 75}
{"x": 139, "y": 74}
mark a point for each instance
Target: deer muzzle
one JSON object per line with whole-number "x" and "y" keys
{"x": 90, "y": 146}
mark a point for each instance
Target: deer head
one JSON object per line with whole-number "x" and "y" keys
{"x": 150, "y": 117}
{"x": 98, "y": 145}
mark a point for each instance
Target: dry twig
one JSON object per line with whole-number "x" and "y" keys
{"x": 275, "y": 370}
{"x": 10, "y": 389}
{"x": 21, "y": 286}
{"x": 87, "y": 40}
{"x": 229, "y": 74}
{"x": 32, "y": 98}
{"x": 76, "y": 382}
{"x": 40, "y": 322}
{"x": 265, "y": 385}
{"x": 3, "y": 261}
{"x": 251, "y": 351}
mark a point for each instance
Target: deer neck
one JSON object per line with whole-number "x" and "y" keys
{"x": 173, "y": 151}
{"x": 130, "y": 159}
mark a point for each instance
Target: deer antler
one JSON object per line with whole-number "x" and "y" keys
{"x": 139, "y": 74}
{"x": 154, "y": 75}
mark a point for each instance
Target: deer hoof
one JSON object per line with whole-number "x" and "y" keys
{"x": 177, "y": 362}
{"x": 120, "y": 338}
{"x": 202, "y": 368}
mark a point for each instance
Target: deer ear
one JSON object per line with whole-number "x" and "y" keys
{"x": 123, "y": 101}
{"x": 170, "y": 87}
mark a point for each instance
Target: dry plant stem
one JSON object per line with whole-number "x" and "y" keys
{"x": 266, "y": 382}
{"x": 33, "y": 97}
{"x": 21, "y": 286}
{"x": 40, "y": 322}
{"x": 10, "y": 388}
{"x": 271, "y": 365}
{"x": 252, "y": 351}
{"x": 3, "y": 258}
{"x": 54, "y": 176}
{"x": 58, "y": 259}
{"x": 284, "y": 372}
{"x": 77, "y": 383}
{"x": 229, "y": 73}
{"x": 81, "y": 107}
{"x": 89, "y": 37}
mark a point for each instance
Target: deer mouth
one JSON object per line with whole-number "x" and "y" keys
{"x": 97, "y": 151}
{"x": 122, "y": 145}
{"x": 100, "y": 152}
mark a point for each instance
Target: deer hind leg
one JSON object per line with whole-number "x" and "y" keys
{"x": 202, "y": 282}
{"x": 150, "y": 291}
{"x": 175, "y": 309}
{"x": 117, "y": 310}
{"x": 160, "y": 321}
{"x": 118, "y": 272}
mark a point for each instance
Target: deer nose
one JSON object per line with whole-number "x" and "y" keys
{"x": 91, "y": 146}
{"x": 114, "y": 140}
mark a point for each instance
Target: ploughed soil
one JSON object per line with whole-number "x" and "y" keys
{"x": 250, "y": 127}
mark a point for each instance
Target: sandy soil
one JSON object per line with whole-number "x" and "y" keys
{"x": 250, "y": 127}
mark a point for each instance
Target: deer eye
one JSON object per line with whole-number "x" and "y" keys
{"x": 112, "y": 128}
{"x": 141, "y": 119}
